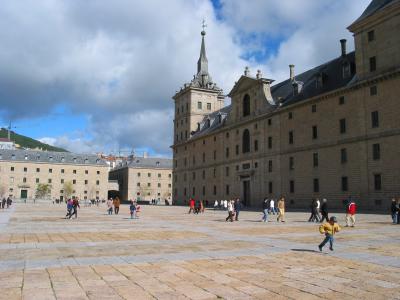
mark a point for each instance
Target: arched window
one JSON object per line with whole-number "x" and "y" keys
{"x": 246, "y": 141}
{"x": 246, "y": 105}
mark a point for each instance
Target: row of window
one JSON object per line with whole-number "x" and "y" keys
{"x": 149, "y": 184}
{"x": 316, "y": 186}
{"x": 199, "y": 106}
{"x": 149, "y": 175}
{"x": 62, "y": 171}
{"x": 37, "y": 180}
{"x": 38, "y": 158}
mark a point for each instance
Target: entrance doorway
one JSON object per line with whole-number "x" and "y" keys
{"x": 24, "y": 194}
{"x": 246, "y": 193}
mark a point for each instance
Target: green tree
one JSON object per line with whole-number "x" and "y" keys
{"x": 42, "y": 190}
{"x": 68, "y": 189}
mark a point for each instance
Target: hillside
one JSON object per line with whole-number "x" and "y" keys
{"x": 27, "y": 142}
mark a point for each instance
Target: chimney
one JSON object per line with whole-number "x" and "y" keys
{"x": 343, "y": 46}
{"x": 291, "y": 68}
{"x": 259, "y": 75}
{"x": 246, "y": 71}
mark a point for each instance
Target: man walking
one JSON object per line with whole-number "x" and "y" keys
{"x": 116, "y": 203}
{"x": 281, "y": 210}
{"x": 324, "y": 210}
{"x": 350, "y": 213}
{"x": 265, "y": 210}
{"x": 272, "y": 206}
{"x": 238, "y": 207}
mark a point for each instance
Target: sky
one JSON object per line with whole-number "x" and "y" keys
{"x": 99, "y": 76}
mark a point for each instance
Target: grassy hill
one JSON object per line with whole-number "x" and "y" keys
{"x": 27, "y": 142}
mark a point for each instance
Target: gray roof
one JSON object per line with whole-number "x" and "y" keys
{"x": 374, "y": 7}
{"x": 50, "y": 157}
{"x": 330, "y": 73}
{"x": 147, "y": 163}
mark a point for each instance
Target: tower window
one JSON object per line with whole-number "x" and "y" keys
{"x": 246, "y": 141}
{"x": 371, "y": 36}
{"x": 199, "y": 105}
{"x": 375, "y": 119}
{"x": 246, "y": 105}
{"x": 372, "y": 64}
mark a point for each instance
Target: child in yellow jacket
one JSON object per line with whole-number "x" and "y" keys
{"x": 329, "y": 229}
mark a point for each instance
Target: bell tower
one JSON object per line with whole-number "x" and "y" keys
{"x": 196, "y": 99}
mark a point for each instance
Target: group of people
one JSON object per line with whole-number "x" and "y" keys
{"x": 319, "y": 211}
{"x": 269, "y": 207}
{"x": 113, "y": 205}
{"x": 5, "y": 202}
{"x": 196, "y": 206}
{"x": 72, "y": 207}
{"x": 395, "y": 210}
{"x": 234, "y": 207}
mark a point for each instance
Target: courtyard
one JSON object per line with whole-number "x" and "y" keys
{"x": 168, "y": 254}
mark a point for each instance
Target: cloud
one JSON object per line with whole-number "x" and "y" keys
{"x": 120, "y": 63}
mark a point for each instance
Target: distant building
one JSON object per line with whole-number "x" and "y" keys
{"x": 22, "y": 170}
{"x": 144, "y": 178}
{"x": 332, "y": 131}
{"x": 6, "y": 144}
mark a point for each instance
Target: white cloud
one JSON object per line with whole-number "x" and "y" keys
{"x": 120, "y": 62}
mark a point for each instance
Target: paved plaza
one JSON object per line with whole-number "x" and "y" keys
{"x": 168, "y": 254}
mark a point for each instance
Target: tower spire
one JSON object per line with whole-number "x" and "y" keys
{"x": 202, "y": 63}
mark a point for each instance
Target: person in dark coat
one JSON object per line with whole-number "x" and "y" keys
{"x": 393, "y": 210}
{"x": 314, "y": 211}
{"x": 237, "y": 207}
{"x": 324, "y": 211}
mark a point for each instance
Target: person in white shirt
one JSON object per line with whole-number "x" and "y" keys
{"x": 272, "y": 206}
{"x": 215, "y": 204}
{"x": 230, "y": 211}
{"x": 225, "y": 204}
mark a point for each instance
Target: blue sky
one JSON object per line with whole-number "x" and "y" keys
{"x": 99, "y": 76}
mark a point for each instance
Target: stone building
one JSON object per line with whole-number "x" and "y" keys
{"x": 331, "y": 132}
{"x": 22, "y": 170}
{"x": 144, "y": 178}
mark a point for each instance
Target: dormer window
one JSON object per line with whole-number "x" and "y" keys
{"x": 26, "y": 157}
{"x": 297, "y": 87}
{"x": 38, "y": 157}
{"x": 346, "y": 71}
{"x": 157, "y": 163}
{"x": 86, "y": 160}
{"x": 219, "y": 118}
{"x": 198, "y": 126}
{"x": 208, "y": 122}
{"x": 62, "y": 159}
{"x": 13, "y": 156}
{"x": 51, "y": 158}
{"x": 74, "y": 159}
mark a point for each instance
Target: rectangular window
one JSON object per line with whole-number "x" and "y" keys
{"x": 345, "y": 186}
{"x": 138, "y": 174}
{"x": 159, "y": 185}
{"x": 270, "y": 166}
{"x": 12, "y": 169}
{"x": 25, "y": 170}
{"x": 291, "y": 163}
{"x": 148, "y": 174}
{"x": 377, "y": 182}
{"x": 215, "y": 172}
{"x": 74, "y": 181}
{"x": 270, "y": 142}
{"x": 314, "y": 108}
{"x": 215, "y": 155}
{"x": 315, "y": 160}
{"x": 149, "y": 184}
{"x": 373, "y": 90}
{"x": 215, "y": 190}
{"x": 226, "y": 171}
{"x": 24, "y": 180}
{"x": 86, "y": 172}
{"x": 269, "y": 122}
{"x": 375, "y": 119}
{"x": 49, "y": 181}
{"x": 291, "y": 137}
{"x": 194, "y": 191}
{"x": 204, "y": 157}
{"x": 86, "y": 182}
{"x": 256, "y": 145}
{"x": 270, "y": 187}
{"x": 343, "y": 155}
{"x": 227, "y": 152}
{"x": 316, "y": 185}
{"x": 227, "y": 189}
{"x": 194, "y": 175}
{"x": 37, "y": 170}
{"x": 208, "y": 106}
{"x": 237, "y": 150}
{"x": 62, "y": 180}
{"x": 204, "y": 190}
{"x": 314, "y": 132}
{"x": 372, "y": 64}
{"x": 291, "y": 186}
{"x": 159, "y": 175}
{"x": 342, "y": 125}
{"x": 290, "y": 116}
{"x": 341, "y": 100}
{"x": 371, "y": 35}
{"x": 50, "y": 170}
{"x": 62, "y": 171}
{"x": 199, "y": 105}
{"x": 376, "y": 151}
{"x": 37, "y": 180}
{"x": 74, "y": 171}
{"x": 204, "y": 174}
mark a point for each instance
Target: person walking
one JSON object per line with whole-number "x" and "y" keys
{"x": 191, "y": 205}
{"x": 329, "y": 229}
{"x": 225, "y": 204}
{"x": 215, "y": 204}
{"x": 230, "y": 211}
{"x": 281, "y": 210}
{"x": 265, "y": 206}
{"x": 313, "y": 206}
{"x": 132, "y": 209}
{"x": 116, "y": 203}
{"x": 324, "y": 210}
{"x": 75, "y": 206}
{"x": 393, "y": 210}
{"x": 272, "y": 206}
{"x": 237, "y": 207}
{"x": 69, "y": 209}
{"x": 3, "y": 203}
{"x": 398, "y": 211}
{"x": 351, "y": 213}
{"x": 110, "y": 206}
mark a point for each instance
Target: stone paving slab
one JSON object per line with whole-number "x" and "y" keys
{"x": 168, "y": 254}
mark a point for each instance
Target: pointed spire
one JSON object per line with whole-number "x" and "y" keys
{"x": 202, "y": 63}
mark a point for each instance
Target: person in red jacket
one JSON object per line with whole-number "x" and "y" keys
{"x": 351, "y": 213}
{"x": 191, "y": 205}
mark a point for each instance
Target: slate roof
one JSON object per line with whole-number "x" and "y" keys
{"x": 147, "y": 163}
{"x": 50, "y": 157}
{"x": 332, "y": 79}
{"x": 374, "y": 7}
{"x": 331, "y": 74}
